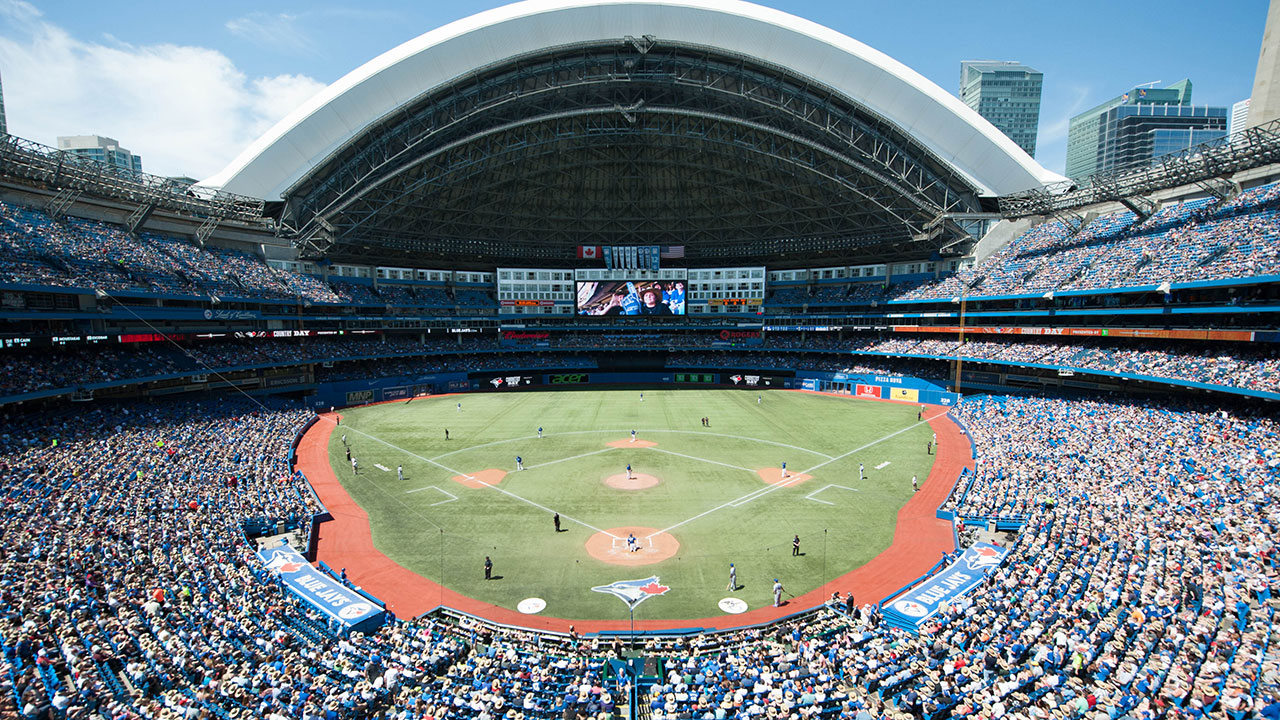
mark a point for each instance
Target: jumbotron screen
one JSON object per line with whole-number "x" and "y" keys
{"x": 631, "y": 297}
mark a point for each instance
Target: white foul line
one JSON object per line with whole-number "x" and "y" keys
{"x": 713, "y": 462}
{"x": 873, "y": 443}
{"x": 765, "y": 491}
{"x": 761, "y": 492}
{"x": 575, "y": 457}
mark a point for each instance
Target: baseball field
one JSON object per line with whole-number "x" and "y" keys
{"x": 698, "y": 498}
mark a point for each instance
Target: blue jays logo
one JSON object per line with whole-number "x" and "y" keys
{"x": 983, "y": 557}
{"x": 633, "y": 592}
{"x": 284, "y": 563}
{"x": 908, "y": 607}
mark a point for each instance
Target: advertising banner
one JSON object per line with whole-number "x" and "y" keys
{"x": 911, "y": 609}
{"x": 868, "y": 391}
{"x": 908, "y": 394}
{"x": 400, "y": 392}
{"x": 568, "y": 379}
{"x": 1230, "y": 335}
{"x": 321, "y": 591}
{"x": 359, "y": 397}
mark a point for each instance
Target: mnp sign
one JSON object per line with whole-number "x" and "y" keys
{"x": 322, "y": 592}
{"x": 922, "y": 602}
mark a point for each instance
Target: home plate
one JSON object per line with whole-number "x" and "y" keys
{"x": 733, "y": 606}
{"x": 531, "y": 606}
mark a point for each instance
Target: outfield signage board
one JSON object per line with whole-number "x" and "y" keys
{"x": 911, "y": 609}
{"x": 868, "y": 391}
{"x": 358, "y": 397}
{"x": 321, "y": 591}
{"x": 568, "y": 379}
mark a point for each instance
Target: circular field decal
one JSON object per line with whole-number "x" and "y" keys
{"x": 733, "y": 606}
{"x": 532, "y": 606}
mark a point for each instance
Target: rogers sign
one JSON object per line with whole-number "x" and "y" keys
{"x": 739, "y": 335}
{"x": 515, "y": 335}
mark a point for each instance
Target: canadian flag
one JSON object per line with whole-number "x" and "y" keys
{"x": 588, "y": 251}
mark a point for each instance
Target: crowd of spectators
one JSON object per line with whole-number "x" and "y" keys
{"x": 86, "y": 254}
{"x": 1234, "y": 366}
{"x": 1185, "y": 241}
{"x": 1249, "y": 367}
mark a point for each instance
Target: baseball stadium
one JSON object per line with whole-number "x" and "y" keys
{"x": 643, "y": 360}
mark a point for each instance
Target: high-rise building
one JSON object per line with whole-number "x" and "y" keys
{"x": 4, "y": 126}
{"x": 1139, "y": 126}
{"x": 103, "y": 149}
{"x": 1007, "y": 94}
{"x": 1239, "y": 117}
{"x": 1264, "y": 105}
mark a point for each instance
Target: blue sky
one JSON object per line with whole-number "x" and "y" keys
{"x": 189, "y": 84}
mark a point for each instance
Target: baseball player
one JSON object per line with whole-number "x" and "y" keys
{"x": 915, "y": 484}
{"x": 784, "y": 469}
{"x": 862, "y": 473}
{"x": 400, "y": 472}
{"x": 459, "y": 407}
{"x": 355, "y": 466}
{"x": 733, "y": 577}
{"x": 519, "y": 463}
{"x": 628, "y": 471}
{"x": 632, "y": 544}
{"x": 539, "y": 432}
{"x": 777, "y": 592}
{"x": 633, "y": 435}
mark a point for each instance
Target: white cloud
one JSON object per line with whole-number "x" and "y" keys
{"x": 187, "y": 110}
{"x": 280, "y": 31}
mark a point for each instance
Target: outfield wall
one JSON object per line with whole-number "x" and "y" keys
{"x": 879, "y": 387}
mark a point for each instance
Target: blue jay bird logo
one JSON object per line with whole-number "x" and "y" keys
{"x": 633, "y": 592}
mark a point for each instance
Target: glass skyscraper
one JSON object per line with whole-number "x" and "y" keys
{"x": 1007, "y": 94}
{"x": 1138, "y": 127}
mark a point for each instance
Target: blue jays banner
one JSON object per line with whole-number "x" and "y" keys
{"x": 922, "y": 602}
{"x": 322, "y": 592}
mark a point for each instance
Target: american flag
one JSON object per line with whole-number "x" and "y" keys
{"x": 671, "y": 252}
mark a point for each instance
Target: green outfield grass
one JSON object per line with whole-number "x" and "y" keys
{"x": 417, "y": 524}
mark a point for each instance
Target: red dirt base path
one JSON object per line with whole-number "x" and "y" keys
{"x": 918, "y": 542}
{"x": 637, "y": 481}
{"x": 652, "y": 546}
{"x": 628, "y": 444}
{"x": 773, "y": 476}
{"x": 484, "y": 478}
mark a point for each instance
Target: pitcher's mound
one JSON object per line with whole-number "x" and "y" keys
{"x": 611, "y": 546}
{"x": 481, "y": 479}
{"x": 627, "y": 443}
{"x": 773, "y": 476}
{"x": 637, "y": 481}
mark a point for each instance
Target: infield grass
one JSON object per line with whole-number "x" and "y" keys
{"x": 706, "y": 490}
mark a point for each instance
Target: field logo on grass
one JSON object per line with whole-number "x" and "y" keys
{"x": 633, "y": 592}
